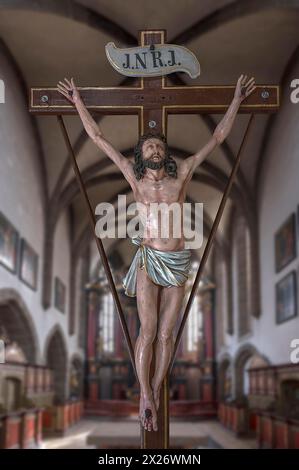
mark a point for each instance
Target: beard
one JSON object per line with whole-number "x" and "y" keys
{"x": 154, "y": 165}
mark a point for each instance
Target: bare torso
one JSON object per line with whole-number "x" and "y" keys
{"x": 156, "y": 186}
{"x": 167, "y": 190}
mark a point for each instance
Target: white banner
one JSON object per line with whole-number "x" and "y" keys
{"x": 152, "y": 61}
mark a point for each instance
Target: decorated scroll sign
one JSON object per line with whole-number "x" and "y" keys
{"x": 152, "y": 61}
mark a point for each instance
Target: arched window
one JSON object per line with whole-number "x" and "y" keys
{"x": 243, "y": 276}
{"x": 12, "y": 393}
{"x": 221, "y": 301}
{"x": 106, "y": 325}
{"x": 194, "y": 325}
{"x": 106, "y": 317}
{"x": 194, "y": 322}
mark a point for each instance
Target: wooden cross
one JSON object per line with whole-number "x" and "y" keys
{"x": 152, "y": 99}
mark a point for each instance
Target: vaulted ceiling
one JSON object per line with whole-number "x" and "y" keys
{"x": 51, "y": 40}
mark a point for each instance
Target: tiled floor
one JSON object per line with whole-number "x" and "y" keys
{"x": 76, "y": 437}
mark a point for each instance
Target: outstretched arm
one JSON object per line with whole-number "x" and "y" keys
{"x": 222, "y": 130}
{"x": 70, "y": 91}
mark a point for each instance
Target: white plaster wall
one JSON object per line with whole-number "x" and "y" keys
{"x": 21, "y": 202}
{"x": 61, "y": 268}
{"x": 78, "y": 296}
{"x": 278, "y": 197}
{"x": 20, "y": 183}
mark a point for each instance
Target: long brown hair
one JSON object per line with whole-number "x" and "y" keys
{"x": 139, "y": 166}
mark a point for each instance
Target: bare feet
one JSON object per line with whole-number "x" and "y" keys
{"x": 147, "y": 413}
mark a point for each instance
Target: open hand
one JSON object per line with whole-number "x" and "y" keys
{"x": 244, "y": 88}
{"x": 69, "y": 90}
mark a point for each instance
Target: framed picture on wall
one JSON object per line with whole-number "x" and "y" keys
{"x": 286, "y": 298}
{"x": 28, "y": 265}
{"x": 285, "y": 243}
{"x": 9, "y": 242}
{"x": 59, "y": 295}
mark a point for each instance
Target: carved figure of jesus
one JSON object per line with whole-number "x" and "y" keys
{"x": 161, "y": 265}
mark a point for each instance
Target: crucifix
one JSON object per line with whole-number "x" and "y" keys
{"x": 152, "y": 99}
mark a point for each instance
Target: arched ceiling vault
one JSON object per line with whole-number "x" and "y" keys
{"x": 243, "y": 33}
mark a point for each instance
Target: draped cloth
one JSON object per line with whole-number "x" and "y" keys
{"x": 164, "y": 268}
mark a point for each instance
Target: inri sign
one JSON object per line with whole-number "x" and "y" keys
{"x": 152, "y": 61}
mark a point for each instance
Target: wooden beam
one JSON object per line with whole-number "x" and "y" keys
{"x": 168, "y": 99}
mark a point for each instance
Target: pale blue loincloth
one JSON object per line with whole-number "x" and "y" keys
{"x": 165, "y": 268}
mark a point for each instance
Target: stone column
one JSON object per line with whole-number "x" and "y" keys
{"x": 93, "y": 308}
{"x": 208, "y": 391}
